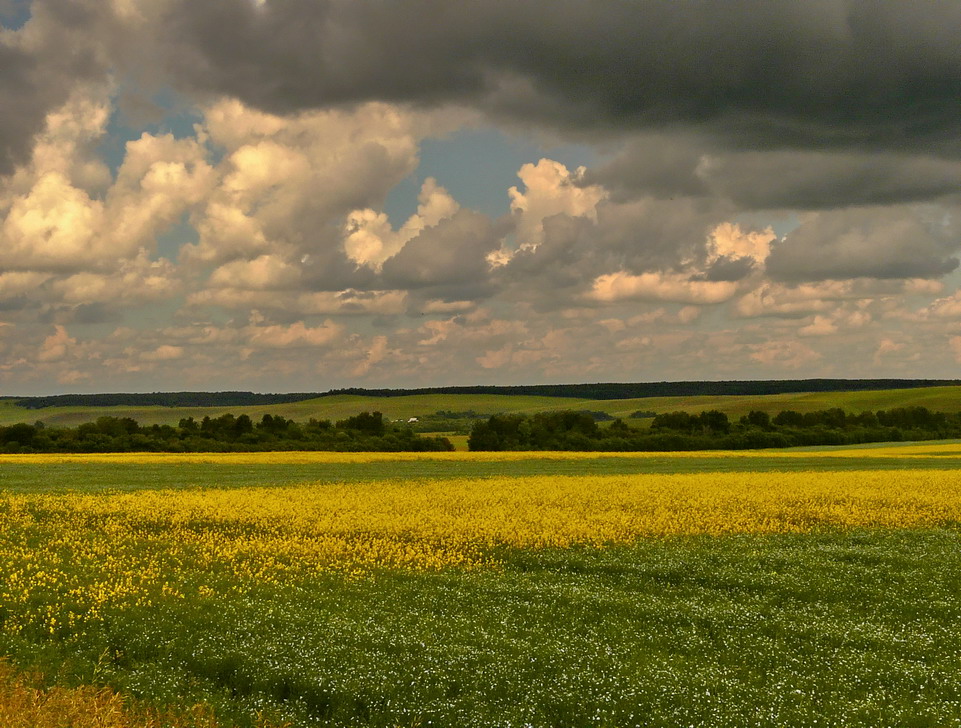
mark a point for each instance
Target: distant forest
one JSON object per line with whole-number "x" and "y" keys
{"x": 581, "y": 391}
{"x": 162, "y": 399}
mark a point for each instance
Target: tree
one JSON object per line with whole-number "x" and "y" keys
{"x": 756, "y": 418}
{"x": 618, "y": 428}
{"x": 789, "y": 418}
{"x": 370, "y": 423}
{"x": 243, "y": 425}
{"x": 679, "y": 421}
{"x": 483, "y": 437}
{"x": 21, "y": 434}
{"x": 714, "y": 422}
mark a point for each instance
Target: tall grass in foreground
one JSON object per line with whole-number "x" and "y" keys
{"x": 26, "y": 703}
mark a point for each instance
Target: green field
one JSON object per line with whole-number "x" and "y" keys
{"x": 854, "y": 629}
{"x": 945, "y": 399}
{"x": 74, "y": 475}
{"x": 835, "y": 627}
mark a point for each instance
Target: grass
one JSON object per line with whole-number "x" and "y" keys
{"x": 836, "y": 627}
{"x": 25, "y": 702}
{"x": 333, "y": 408}
{"x": 946, "y": 399}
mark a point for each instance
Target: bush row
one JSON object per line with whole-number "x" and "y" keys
{"x": 366, "y": 431}
{"x": 712, "y": 430}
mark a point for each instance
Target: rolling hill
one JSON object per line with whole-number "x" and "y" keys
{"x": 399, "y": 406}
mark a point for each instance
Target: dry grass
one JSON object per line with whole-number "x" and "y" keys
{"x": 24, "y": 703}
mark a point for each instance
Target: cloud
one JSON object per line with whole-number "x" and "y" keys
{"x": 165, "y": 352}
{"x": 947, "y": 307}
{"x": 136, "y": 281}
{"x": 441, "y": 306}
{"x": 779, "y": 72}
{"x": 888, "y": 346}
{"x": 295, "y": 335}
{"x": 550, "y": 192}
{"x": 369, "y": 238}
{"x": 550, "y": 189}
{"x": 286, "y": 184}
{"x": 709, "y": 274}
{"x": 56, "y": 347}
{"x": 765, "y": 182}
{"x": 732, "y": 253}
{"x": 653, "y": 164}
{"x": 872, "y": 242}
{"x": 284, "y": 179}
{"x": 819, "y": 180}
{"x": 450, "y": 257}
{"x": 160, "y": 179}
{"x": 659, "y": 286}
{"x": 646, "y": 237}
{"x": 265, "y": 272}
{"x": 673, "y": 164}
{"x": 820, "y": 326}
{"x": 377, "y": 352}
{"x": 19, "y": 283}
{"x": 55, "y": 226}
{"x": 785, "y": 354}
{"x": 348, "y": 302}
{"x": 73, "y": 237}
{"x": 802, "y": 299}
{"x": 729, "y": 241}
{"x": 61, "y": 46}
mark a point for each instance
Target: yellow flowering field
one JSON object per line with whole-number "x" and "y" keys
{"x": 65, "y": 558}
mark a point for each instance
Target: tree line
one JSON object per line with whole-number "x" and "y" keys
{"x": 637, "y": 390}
{"x": 712, "y": 430}
{"x": 366, "y": 431}
{"x": 163, "y": 399}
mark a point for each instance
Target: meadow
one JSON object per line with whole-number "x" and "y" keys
{"x": 942, "y": 399}
{"x": 788, "y": 588}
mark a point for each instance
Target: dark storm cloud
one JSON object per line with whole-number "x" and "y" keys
{"x": 661, "y": 166}
{"x": 17, "y": 128}
{"x": 40, "y": 64}
{"x": 812, "y": 181}
{"x": 775, "y": 72}
{"x": 867, "y": 242}
{"x": 773, "y": 180}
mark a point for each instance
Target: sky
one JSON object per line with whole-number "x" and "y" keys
{"x": 299, "y": 195}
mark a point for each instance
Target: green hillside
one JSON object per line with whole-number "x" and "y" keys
{"x": 947, "y": 399}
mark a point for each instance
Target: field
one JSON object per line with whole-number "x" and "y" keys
{"x": 945, "y": 399}
{"x": 461, "y": 589}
